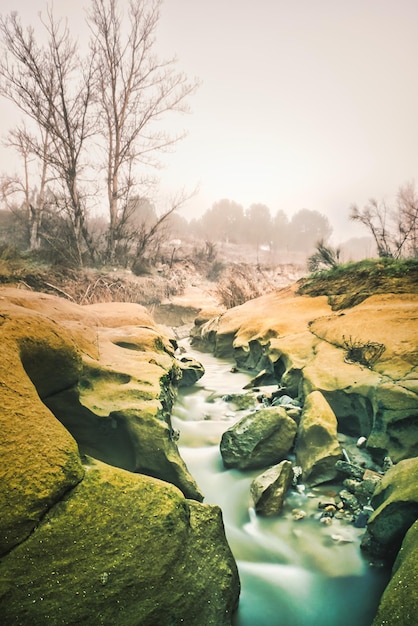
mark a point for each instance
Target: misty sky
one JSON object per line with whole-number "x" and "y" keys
{"x": 303, "y": 103}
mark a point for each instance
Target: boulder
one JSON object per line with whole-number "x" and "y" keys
{"x": 395, "y": 501}
{"x": 269, "y": 489}
{"x": 259, "y": 439}
{"x": 399, "y": 603}
{"x": 317, "y": 448}
{"x": 125, "y": 549}
{"x": 191, "y": 371}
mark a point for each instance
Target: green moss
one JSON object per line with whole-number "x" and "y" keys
{"x": 121, "y": 549}
{"x": 399, "y": 603}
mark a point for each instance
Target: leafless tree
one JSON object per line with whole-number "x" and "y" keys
{"x": 134, "y": 91}
{"x": 407, "y": 221}
{"x": 375, "y": 217}
{"x": 52, "y": 86}
{"x": 17, "y": 187}
{"x": 395, "y": 230}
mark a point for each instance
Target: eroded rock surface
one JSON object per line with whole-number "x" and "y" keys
{"x": 395, "y": 501}
{"x": 317, "y": 448}
{"x": 84, "y": 541}
{"x": 303, "y": 344}
{"x": 363, "y": 364}
{"x": 121, "y": 548}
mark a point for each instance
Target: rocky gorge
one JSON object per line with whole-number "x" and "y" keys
{"x": 102, "y": 521}
{"x": 353, "y": 371}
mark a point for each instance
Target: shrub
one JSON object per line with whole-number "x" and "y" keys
{"x": 364, "y": 353}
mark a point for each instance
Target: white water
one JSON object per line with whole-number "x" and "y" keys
{"x": 293, "y": 573}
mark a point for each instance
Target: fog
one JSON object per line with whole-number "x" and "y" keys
{"x": 302, "y": 105}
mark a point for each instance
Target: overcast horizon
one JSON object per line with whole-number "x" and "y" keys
{"x": 307, "y": 105}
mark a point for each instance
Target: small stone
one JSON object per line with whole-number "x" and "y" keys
{"x": 298, "y": 514}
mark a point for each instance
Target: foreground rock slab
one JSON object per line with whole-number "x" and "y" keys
{"x": 121, "y": 549}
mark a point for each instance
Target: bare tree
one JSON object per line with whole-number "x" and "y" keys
{"x": 407, "y": 221}
{"x": 44, "y": 82}
{"x": 134, "y": 91}
{"x": 375, "y": 217}
{"x": 395, "y": 230}
{"x": 33, "y": 196}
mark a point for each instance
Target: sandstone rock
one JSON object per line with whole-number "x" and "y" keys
{"x": 302, "y": 343}
{"x": 258, "y": 439}
{"x": 269, "y": 489}
{"x": 191, "y": 371}
{"x": 122, "y": 549}
{"x": 396, "y": 508}
{"x": 34, "y": 473}
{"x": 92, "y": 543}
{"x": 317, "y": 448}
{"x": 399, "y": 603}
{"x": 116, "y": 368}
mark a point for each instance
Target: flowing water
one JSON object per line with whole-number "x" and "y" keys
{"x": 292, "y": 572}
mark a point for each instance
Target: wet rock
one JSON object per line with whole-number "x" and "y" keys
{"x": 269, "y": 489}
{"x": 191, "y": 371}
{"x": 354, "y": 471}
{"x": 317, "y": 448}
{"x": 350, "y": 501}
{"x": 304, "y": 341}
{"x": 241, "y": 401}
{"x": 258, "y": 439}
{"x": 396, "y": 508}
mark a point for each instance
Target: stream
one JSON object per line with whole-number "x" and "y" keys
{"x": 293, "y": 572}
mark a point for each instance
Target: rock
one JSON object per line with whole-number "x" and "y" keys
{"x": 258, "y": 439}
{"x": 350, "y": 469}
{"x": 350, "y": 501}
{"x": 317, "y": 448}
{"x": 191, "y": 371}
{"x": 83, "y": 541}
{"x": 121, "y": 548}
{"x": 399, "y": 602}
{"x": 39, "y": 458}
{"x": 396, "y": 508}
{"x": 269, "y": 489}
{"x": 303, "y": 343}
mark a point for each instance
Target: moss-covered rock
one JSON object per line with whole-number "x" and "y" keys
{"x": 399, "y": 603}
{"x": 121, "y": 549}
{"x": 259, "y": 439}
{"x": 92, "y": 543}
{"x": 34, "y": 472}
{"x": 396, "y": 508}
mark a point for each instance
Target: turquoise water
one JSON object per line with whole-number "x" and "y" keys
{"x": 293, "y": 573}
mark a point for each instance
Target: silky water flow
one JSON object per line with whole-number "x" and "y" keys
{"x": 293, "y": 572}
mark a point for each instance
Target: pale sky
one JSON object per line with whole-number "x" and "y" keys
{"x": 303, "y": 103}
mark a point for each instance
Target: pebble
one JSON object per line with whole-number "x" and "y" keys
{"x": 298, "y": 514}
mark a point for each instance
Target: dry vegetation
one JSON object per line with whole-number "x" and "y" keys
{"x": 224, "y": 274}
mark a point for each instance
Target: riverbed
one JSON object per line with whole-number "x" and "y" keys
{"x": 294, "y": 569}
